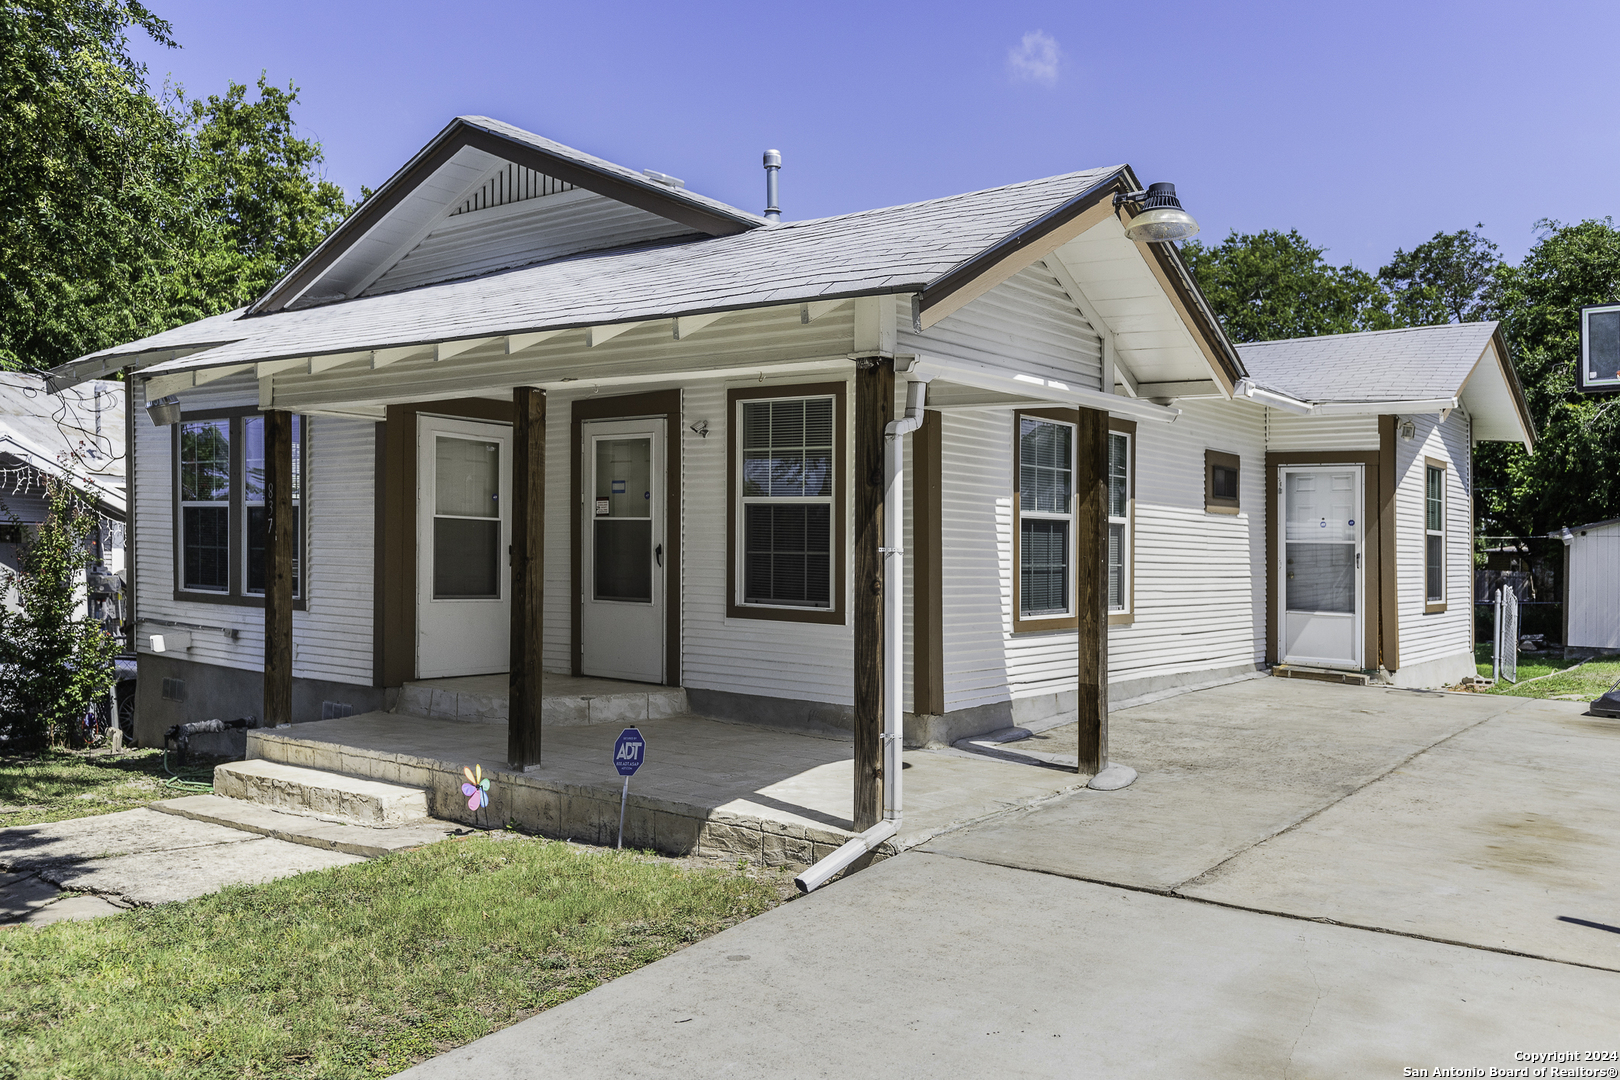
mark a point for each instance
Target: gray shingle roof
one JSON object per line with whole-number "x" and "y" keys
{"x": 898, "y": 249}
{"x": 1418, "y": 364}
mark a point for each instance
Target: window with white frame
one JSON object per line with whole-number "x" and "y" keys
{"x": 221, "y": 518}
{"x": 786, "y": 490}
{"x": 1119, "y": 522}
{"x": 1045, "y": 517}
{"x": 1434, "y": 530}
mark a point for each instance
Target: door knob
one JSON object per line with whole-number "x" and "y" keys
{"x": 658, "y": 553}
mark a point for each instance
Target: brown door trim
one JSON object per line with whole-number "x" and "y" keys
{"x": 664, "y": 403}
{"x": 927, "y": 576}
{"x": 1378, "y": 577}
{"x": 395, "y": 588}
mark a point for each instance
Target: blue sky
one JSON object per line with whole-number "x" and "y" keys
{"x": 1368, "y": 125}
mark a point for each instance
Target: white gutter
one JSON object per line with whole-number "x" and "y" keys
{"x": 1247, "y": 389}
{"x": 894, "y": 640}
{"x": 1000, "y": 381}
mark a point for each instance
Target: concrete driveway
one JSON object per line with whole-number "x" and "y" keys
{"x": 1306, "y": 881}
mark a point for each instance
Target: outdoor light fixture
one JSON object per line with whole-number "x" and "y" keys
{"x": 1161, "y": 218}
{"x": 1408, "y": 431}
{"x": 164, "y": 411}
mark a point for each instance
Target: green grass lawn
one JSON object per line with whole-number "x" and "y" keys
{"x": 354, "y": 972}
{"x": 1586, "y": 682}
{"x": 60, "y": 784}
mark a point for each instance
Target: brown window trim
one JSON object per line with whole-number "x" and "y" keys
{"x": 1035, "y": 624}
{"x": 1429, "y": 606}
{"x": 1214, "y": 504}
{"x": 1128, "y": 616}
{"x": 835, "y": 614}
{"x": 237, "y": 596}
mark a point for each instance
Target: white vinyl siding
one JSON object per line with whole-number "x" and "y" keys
{"x": 1429, "y": 637}
{"x": 1592, "y": 587}
{"x": 1199, "y": 583}
{"x": 1285, "y": 432}
{"x": 332, "y": 639}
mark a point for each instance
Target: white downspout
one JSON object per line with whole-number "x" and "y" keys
{"x": 894, "y": 642}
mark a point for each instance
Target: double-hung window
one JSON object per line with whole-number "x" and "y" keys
{"x": 1119, "y": 522}
{"x": 786, "y": 540}
{"x": 1434, "y": 535}
{"x": 221, "y": 516}
{"x": 1045, "y": 519}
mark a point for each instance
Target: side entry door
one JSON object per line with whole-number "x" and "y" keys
{"x": 1321, "y": 576}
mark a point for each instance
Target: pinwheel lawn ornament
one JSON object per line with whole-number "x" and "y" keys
{"x": 476, "y": 788}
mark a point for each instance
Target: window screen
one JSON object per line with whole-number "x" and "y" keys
{"x": 787, "y": 492}
{"x": 1045, "y": 516}
{"x": 1119, "y": 521}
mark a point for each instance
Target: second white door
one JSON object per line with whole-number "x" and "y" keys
{"x": 623, "y": 550}
{"x": 1321, "y": 571}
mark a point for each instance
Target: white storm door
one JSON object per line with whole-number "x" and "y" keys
{"x": 622, "y": 549}
{"x": 463, "y": 533}
{"x": 1321, "y": 574}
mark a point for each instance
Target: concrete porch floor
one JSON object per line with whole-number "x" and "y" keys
{"x": 708, "y": 786}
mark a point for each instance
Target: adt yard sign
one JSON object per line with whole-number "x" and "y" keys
{"x": 1599, "y": 367}
{"x": 629, "y": 752}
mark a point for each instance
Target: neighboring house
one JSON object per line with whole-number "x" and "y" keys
{"x": 1591, "y": 587}
{"x": 696, "y": 398}
{"x": 75, "y": 437}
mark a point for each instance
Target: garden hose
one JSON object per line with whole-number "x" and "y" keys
{"x": 174, "y": 779}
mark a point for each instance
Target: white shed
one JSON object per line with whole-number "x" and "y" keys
{"x": 1592, "y": 587}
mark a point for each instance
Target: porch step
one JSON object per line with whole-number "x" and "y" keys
{"x": 1334, "y": 675}
{"x": 317, "y": 832}
{"x": 347, "y": 798}
{"x": 565, "y": 700}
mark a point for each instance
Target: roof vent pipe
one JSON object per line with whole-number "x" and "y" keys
{"x": 773, "y": 165}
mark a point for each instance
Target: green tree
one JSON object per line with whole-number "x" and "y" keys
{"x": 92, "y": 181}
{"x": 259, "y": 193}
{"x": 1445, "y": 279}
{"x": 1574, "y": 475}
{"x": 1269, "y": 285}
{"x": 54, "y": 665}
{"x": 120, "y": 215}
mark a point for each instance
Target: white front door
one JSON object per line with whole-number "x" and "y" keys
{"x": 1321, "y": 572}
{"x": 622, "y": 625}
{"x": 463, "y": 532}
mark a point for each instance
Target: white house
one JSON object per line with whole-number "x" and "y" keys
{"x": 539, "y": 412}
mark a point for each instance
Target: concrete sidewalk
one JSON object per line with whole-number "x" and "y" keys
{"x": 932, "y": 967}
{"x": 1171, "y": 928}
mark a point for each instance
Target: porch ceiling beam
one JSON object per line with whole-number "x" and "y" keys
{"x": 163, "y": 385}
{"x": 997, "y": 402}
{"x": 1121, "y": 372}
{"x": 318, "y": 364}
{"x": 815, "y": 309}
{"x": 208, "y": 375}
{"x": 445, "y": 350}
{"x": 266, "y": 368}
{"x": 1050, "y": 391}
{"x": 1193, "y": 388}
{"x": 687, "y": 325}
{"x": 516, "y": 343}
{"x": 597, "y": 335}
{"x": 384, "y": 357}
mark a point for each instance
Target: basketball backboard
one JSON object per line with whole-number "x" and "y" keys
{"x": 1599, "y": 367}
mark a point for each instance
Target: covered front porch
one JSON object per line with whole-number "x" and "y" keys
{"x": 710, "y": 787}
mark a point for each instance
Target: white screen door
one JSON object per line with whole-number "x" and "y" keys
{"x": 623, "y": 549}
{"x": 463, "y": 531}
{"x": 1321, "y": 572}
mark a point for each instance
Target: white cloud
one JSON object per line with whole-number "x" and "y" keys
{"x": 1036, "y": 59}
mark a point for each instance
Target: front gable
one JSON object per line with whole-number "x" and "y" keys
{"x": 485, "y": 196}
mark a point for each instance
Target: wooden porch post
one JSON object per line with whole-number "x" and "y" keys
{"x": 279, "y": 537}
{"x": 1091, "y": 586}
{"x": 528, "y": 575}
{"x": 874, "y": 408}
